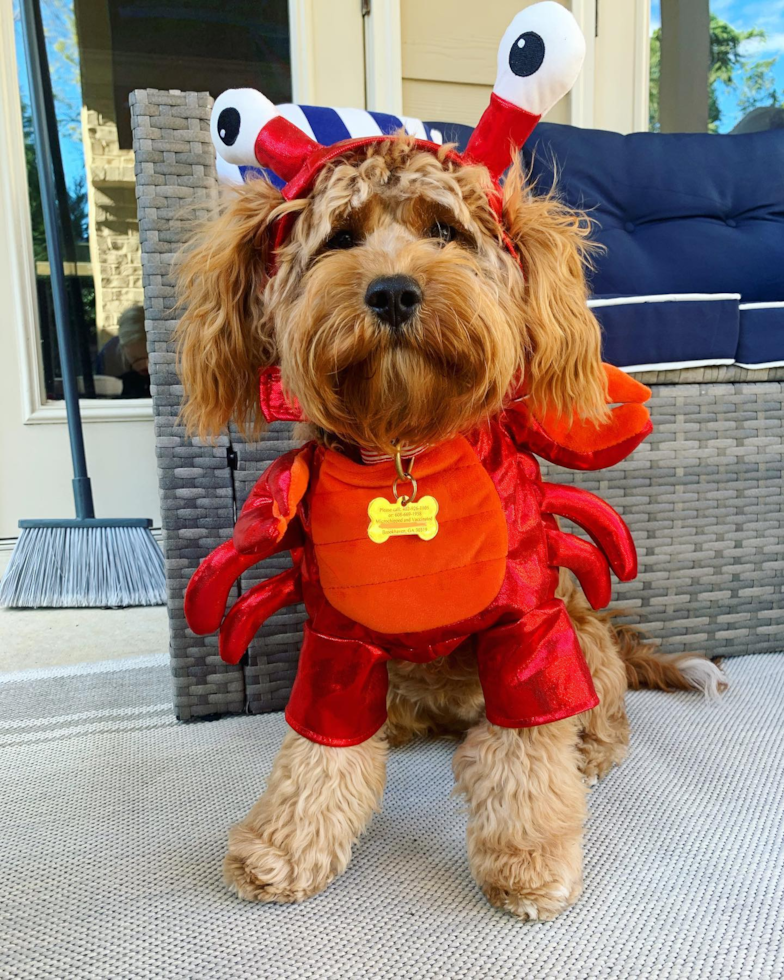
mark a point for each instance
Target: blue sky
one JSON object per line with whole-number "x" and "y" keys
{"x": 743, "y": 15}
{"x": 66, "y": 86}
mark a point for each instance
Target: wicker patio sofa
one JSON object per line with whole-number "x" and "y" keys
{"x": 703, "y": 496}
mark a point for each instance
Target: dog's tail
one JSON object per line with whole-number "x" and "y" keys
{"x": 647, "y": 666}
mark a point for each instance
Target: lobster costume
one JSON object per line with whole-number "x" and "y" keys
{"x": 470, "y": 553}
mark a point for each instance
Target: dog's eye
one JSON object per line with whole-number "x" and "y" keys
{"x": 341, "y": 239}
{"x": 444, "y": 232}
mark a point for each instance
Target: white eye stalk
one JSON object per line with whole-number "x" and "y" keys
{"x": 237, "y": 118}
{"x": 539, "y": 57}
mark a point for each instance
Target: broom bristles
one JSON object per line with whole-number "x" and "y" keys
{"x": 57, "y": 567}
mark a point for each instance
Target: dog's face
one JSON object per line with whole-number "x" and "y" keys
{"x": 396, "y": 313}
{"x": 396, "y": 309}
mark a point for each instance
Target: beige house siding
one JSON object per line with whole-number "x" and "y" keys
{"x": 449, "y": 52}
{"x": 449, "y": 60}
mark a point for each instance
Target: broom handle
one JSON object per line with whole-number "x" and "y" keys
{"x": 42, "y": 109}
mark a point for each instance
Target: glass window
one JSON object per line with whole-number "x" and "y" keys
{"x": 98, "y": 52}
{"x": 744, "y": 66}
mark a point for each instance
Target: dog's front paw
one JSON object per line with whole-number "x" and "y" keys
{"x": 262, "y": 870}
{"x": 533, "y": 886}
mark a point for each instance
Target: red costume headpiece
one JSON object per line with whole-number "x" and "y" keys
{"x": 539, "y": 59}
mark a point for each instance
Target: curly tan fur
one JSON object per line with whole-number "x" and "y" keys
{"x": 482, "y": 326}
{"x": 298, "y": 836}
{"x": 480, "y": 329}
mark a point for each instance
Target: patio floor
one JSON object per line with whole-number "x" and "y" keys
{"x": 50, "y": 637}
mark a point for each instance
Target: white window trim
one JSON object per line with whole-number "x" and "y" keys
{"x": 642, "y": 67}
{"x": 582, "y": 104}
{"x": 301, "y": 48}
{"x": 15, "y": 227}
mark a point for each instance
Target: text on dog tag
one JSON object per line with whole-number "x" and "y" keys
{"x": 392, "y": 519}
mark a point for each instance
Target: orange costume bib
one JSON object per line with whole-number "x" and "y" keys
{"x": 406, "y": 584}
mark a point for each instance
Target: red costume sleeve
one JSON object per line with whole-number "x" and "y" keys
{"x": 533, "y": 671}
{"x": 340, "y": 692}
{"x": 272, "y": 503}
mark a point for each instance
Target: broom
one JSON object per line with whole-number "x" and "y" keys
{"x": 86, "y": 561}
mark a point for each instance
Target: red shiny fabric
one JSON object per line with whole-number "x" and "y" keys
{"x": 254, "y": 608}
{"x": 535, "y": 662}
{"x": 209, "y": 587}
{"x": 528, "y": 656}
{"x": 502, "y": 126}
{"x": 340, "y": 691}
{"x": 284, "y": 148}
{"x": 269, "y": 508}
{"x": 275, "y": 407}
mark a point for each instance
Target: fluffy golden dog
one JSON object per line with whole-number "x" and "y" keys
{"x": 471, "y": 326}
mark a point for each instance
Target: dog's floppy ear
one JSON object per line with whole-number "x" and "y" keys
{"x": 225, "y": 337}
{"x": 564, "y": 369}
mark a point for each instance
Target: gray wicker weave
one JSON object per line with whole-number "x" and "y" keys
{"x": 201, "y": 491}
{"x": 703, "y": 495}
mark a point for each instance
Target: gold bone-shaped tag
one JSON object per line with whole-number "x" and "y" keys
{"x": 396, "y": 518}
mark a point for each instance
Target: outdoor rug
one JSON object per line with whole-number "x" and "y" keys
{"x": 113, "y": 822}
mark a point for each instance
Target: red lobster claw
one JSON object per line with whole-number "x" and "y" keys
{"x": 267, "y": 525}
{"x": 583, "y": 445}
{"x": 608, "y": 530}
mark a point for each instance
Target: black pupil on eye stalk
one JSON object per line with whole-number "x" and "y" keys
{"x": 527, "y": 54}
{"x": 341, "y": 239}
{"x": 229, "y": 126}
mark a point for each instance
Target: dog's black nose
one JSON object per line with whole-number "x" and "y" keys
{"x": 394, "y": 299}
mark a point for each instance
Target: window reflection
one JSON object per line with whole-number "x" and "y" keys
{"x": 737, "y": 47}
{"x": 98, "y": 53}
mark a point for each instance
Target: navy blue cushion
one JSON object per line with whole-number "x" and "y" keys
{"x": 453, "y": 133}
{"x": 661, "y": 332}
{"x": 678, "y": 213}
{"x": 761, "y": 335}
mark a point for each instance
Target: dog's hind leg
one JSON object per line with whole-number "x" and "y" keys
{"x": 299, "y": 835}
{"x": 439, "y": 698}
{"x": 604, "y": 740}
{"x": 527, "y": 801}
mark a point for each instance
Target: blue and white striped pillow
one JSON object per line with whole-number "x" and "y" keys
{"x": 328, "y": 126}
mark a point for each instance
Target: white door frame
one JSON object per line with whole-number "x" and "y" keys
{"x": 302, "y": 41}
{"x": 642, "y": 66}
{"x": 582, "y": 94}
{"x": 383, "y": 57}
{"x": 327, "y": 53}
{"x": 583, "y": 104}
